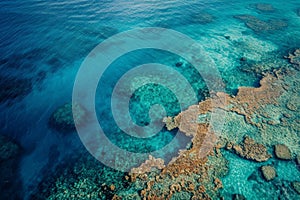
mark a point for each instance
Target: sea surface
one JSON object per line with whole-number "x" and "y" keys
{"x": 44, "y": 43}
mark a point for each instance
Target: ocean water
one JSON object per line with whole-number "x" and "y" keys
{"x": 44, "y": 43}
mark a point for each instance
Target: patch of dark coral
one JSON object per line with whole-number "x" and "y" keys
{"x": 258, "y": 25}
{"x": 13, "y": 89}
{"x": 81, "y": 177}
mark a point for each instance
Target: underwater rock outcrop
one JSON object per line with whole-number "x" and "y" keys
{"x": 282, "y": 152}
{"x": 62, "y": 119}
{"x": 251, "y": 150}
{"x": 268, "y": 172}
{"x": 258, "y": 25}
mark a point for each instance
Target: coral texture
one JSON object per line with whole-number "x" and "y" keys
{"x": 282, "y": 152}
{"x": 251, "y": 150}
{"x": 264, "y": 7}
{"x": 258, "y": 25}
{"x": 269, "y": 172}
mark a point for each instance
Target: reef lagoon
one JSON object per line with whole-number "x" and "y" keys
{"x": 150, "y": 99}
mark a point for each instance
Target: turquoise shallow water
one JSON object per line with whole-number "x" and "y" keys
{"x": 43, "y": 44}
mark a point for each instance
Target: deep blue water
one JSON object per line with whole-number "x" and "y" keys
{"x": 43, "y": 44}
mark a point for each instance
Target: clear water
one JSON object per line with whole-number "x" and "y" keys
{"x": 45, "y": 42}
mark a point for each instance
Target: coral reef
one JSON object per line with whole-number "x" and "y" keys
{"x": 13, "y": 88}
{"x": 268, "y": 172}
{"x": 189, "y": 175}
{"x": 264, "y": 7}
{"x": 251, "y": 150}
{"x": 62, "y": 119}
{"x": 252, "y": 103}
{"x": 8, "y": 148}
{"x": 282, "y": 152}
{"x": 258, "y": 25}
{"x": 82, "y": 177}
{"x": 247, "y": 103}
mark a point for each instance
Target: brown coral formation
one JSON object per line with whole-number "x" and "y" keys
{"x": 251, "y": 150}
{"x": 187, "y": 164}
{"x": 247, "y": 103}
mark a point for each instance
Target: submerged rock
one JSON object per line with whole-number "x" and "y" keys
{"x": 251, "y": 150}
{"x": 298, "y": 12}
{"x": 268, "y": 172}
{"x": 282, "y": 152}
{"x": 62, "y": 118}
{"x": 298, "y": 159}
{"x": 296, "y": 186}
{"x": 8, "y": 148}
